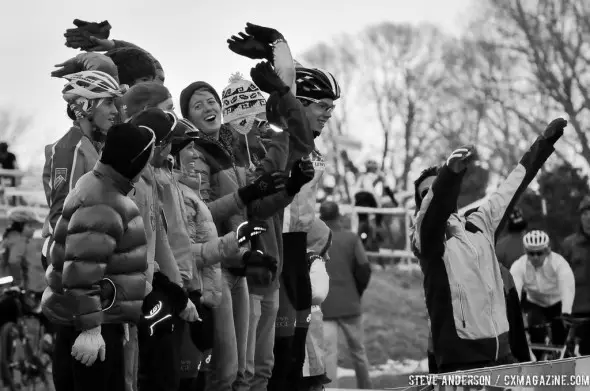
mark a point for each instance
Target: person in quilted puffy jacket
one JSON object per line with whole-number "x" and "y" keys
{"x": 97, "y": 277}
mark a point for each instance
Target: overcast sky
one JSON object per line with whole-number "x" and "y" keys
{"x": 188, "y": 37}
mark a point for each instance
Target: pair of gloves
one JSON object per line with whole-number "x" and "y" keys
{"x": 462, "y": 157}
{"x": 82, "y": 36}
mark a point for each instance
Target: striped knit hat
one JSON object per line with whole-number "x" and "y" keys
{"x": 241, "y": 99}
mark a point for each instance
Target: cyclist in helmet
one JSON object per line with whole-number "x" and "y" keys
{"x": 90, "y": 104}
{"x": 548, "y": 281}
{"x": 20, "y": 251}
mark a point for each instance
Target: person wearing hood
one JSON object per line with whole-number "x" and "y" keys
{"x": 576, "y": 251}
{"x": 97, "y": 277}
{"x": 509, "y": 247}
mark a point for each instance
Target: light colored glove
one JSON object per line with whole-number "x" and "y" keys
{"x": 461, "y": 158}
{"x": 190, "y": 313}
{"x": 88, "y": 346}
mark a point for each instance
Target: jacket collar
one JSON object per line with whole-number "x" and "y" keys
{"x": 108, "y": 173}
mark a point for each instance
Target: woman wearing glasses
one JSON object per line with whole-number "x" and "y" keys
{"x": 549, "y": 283}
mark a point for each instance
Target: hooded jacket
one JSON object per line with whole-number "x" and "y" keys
{"x": 98, "y": 262}
{"x": 462, "y": 279}
{"x": 576, "y": 251}
{"x": 209, "y": 248}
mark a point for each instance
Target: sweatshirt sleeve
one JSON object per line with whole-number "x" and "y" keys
{"x": 216, "y": 250}
{"x": 566, "y": 281}
{"x": 225, "y": 207}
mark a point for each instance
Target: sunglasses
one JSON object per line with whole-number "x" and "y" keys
{"x": 167, "y": 139}
{"x": 260, "y": 123}
{"x": 148, "y": 146}
{"x": 324, "y": 106}
{"x": 535, "y": 253}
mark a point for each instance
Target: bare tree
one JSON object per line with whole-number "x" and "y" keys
{"x": 13, "y": 127}
{"x": 406, "y": 81}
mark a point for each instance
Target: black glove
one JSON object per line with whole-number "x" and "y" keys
{"x": 261, "y": 269}
{"x": 249, "y": 229}
{"x": 176, "y": 296}
{"x": 157, "y": 315}
{"x": 248, "y": 46}
{"x": 265, "y": 35}
{"x": 266, "y": 184}
{"x": 79, "y": 37}
{"x": 302, "y": 173}
{"x": 555, "y": 130}
{"x": 265, "y": 77}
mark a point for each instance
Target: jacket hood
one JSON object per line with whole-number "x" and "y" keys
{"x": 319, "y": 237}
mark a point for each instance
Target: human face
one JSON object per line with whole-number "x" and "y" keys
{"x": 318, "y": 112}
{"x": 204, "y": 112}
{"x": 166, "y": 105}
{"x": 28, "y": 230}
{"x": 585, "y": 218}
{"x": 188, "y": 155}
{"x": 142, "y": 80}
{"x": 105, "y": 114}
{"x": 425, "y": 186}
{"x": 537, "y": 258}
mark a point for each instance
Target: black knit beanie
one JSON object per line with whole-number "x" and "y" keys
{"x": 125, "y": 142}
{"x": 132, "y": 64}
{"x": 187, "y": 93}
{"x": 156, "y": 120}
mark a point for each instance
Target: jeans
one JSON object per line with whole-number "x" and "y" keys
{"x": 352, "y": 327}
{"x": 71, "y": 375}
{"x": 261, "y": 339}
{"x": 230, "y": 318}
{"x": 131, "y": 353}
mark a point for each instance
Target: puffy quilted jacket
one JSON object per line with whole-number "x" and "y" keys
{"x": 98, "y": 261}
{"x": 210, "y": 248}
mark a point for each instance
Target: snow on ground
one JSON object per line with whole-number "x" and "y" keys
{"x": 391, "y": 367}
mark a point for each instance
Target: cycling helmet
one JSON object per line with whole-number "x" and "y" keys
{"x": 90, "y": 85}
{"x": 316, "y": 83}
{"x": 21, "y": 214}
{"x": 535, "y": 240}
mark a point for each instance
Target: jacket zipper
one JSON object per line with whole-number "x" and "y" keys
{"x": 461, "y": 305}
{"x": 491, "y": 297}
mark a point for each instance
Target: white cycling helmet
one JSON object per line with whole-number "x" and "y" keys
{"x": 21, "y": 214}
{"x": 536, "y": 240}
{"x": 90, "y": 85}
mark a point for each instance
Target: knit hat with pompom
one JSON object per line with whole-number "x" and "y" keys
{"x": 241, "y": 99}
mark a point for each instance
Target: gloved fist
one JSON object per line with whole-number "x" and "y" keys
{"x": 265, "y": 77}
{"x": 555, "y": 129}
{"x": 266, "y": 184}
{"x": 261, "y": 269}
{"x": 157, "y": 314}
{"x": 88, "y": 346}
{"x": 248, "y": 46}
{"x": 86, "y": 62}
{"x": 301, "y": 173}
{"x": 249, "y": 229}
{"x": 190, "y": 313}
{"x": 461, "y": 157}
{"x": 79, "y": 37}
{"x": 263, "y": 34}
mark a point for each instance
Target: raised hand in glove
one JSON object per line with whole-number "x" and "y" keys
{"x": 260, "y": 269}
{"x": 89, "y": 345}
{"x": 555, "y": 130}
{"x": 249, "y": 229}
{"x": 301, "y": 173}
{"x": 461, "y": 158}
{"x": 79, "y": 37}
{"x": 265, "y": 77}
{"x": 157, "y": 314}
{"x": 248, "y": 46}
{"x": 86, "y": 62}
{"x": 266, "y": 184}
{"x": 263, "y": 34}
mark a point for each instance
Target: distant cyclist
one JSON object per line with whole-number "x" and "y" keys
{"x": 548, "y": 281}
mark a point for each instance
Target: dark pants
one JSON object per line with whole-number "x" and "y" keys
{"x": 71, "y": 375}
{"x": 282, "y": 352}
{"x": 298, "y": 358}
{"x": 538, "y": 315}
{"x": 159, "y": 360}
